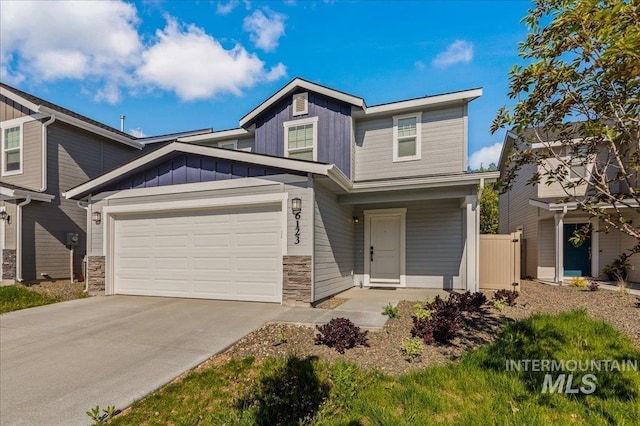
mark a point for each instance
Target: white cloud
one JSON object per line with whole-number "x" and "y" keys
{"x": 485, "y": 156}
{"x": 420, "y": 65}
{"x": 460, "y": 51}
{"x": 74, "y": 40}
{"x": 99, "y": 44}
{"x": 196, "y": 66}
{"x": 265, "y": 30}
{"x": 226, "y": 8}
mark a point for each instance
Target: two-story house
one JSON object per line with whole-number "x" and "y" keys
{"x": 548, "y": 217}
{"x": 46, "y": 149}
{"x": 313, "y": 193}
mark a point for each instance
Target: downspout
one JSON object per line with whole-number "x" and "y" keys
{"x": 86, "y": 255}
{"x": 19, "y": 238}
{"x": 44, "y": 151}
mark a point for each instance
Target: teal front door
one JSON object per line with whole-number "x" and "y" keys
{"x": 577, "y": 260}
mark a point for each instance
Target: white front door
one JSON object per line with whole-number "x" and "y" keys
{"x": 385, "y": 247}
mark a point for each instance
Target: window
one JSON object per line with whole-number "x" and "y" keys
{"x": 300, "y": 139}
{"x": 578, "y": 163}
{"x": 228, "y": 145}
{"x": 300, "y": 104}
{"x": 407, "y": 137}
{"x": 11, "y": 150}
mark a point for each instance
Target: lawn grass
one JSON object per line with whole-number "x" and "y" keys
{"x": 477, "y": 390}
{"x": 14, "y": 297}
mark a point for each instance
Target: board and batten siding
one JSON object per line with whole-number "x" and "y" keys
{"x": 435, "y": 238}
{"x": 333, "y": 248}
{"x": 10, "y": 109}
{"x": 74, "y": 156}
{"x": 334, "y": 129}
{"x": 443, "y": 150}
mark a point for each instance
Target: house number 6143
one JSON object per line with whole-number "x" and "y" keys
{"x": 297, "y": 234}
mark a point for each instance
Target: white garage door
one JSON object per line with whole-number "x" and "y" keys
{"x": 214, "y": 254}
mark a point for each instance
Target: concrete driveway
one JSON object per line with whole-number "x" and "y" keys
{"x": 58, "y": 361}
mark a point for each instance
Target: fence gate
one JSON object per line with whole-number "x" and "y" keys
{"x": 500, "y": 261}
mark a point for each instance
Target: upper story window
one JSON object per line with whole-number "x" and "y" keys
{"x": 11, "y": 150}
{"x": 300, "y": 104}
{"x": 407, "y": 131}
{"x": 578, "y": 164}
{"x": 301, "y": 139}
{"x": 228, "y": 145}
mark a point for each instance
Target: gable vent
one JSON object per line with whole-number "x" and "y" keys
{"x": 300, "y": 104}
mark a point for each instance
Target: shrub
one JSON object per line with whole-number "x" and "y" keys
{"x": 341, "y": 334}
{"x": 500, "y": 305}
{"x": 391, "y": 311}
{"x": 444, "y": 326}
{"x": 579, "y": 282}
{"x": 508, "y": 296}
{"x": 411, "y": 347}
{"x": 467, "y": 301}
{"x": 618, "y": 269}
{"x": 593, "y": 286}
{"x": 422, "y": 313}
{"x": 422, "y": 329}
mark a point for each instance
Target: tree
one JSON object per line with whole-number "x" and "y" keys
{"x": 489, "y": 214}
{"x": 577, "y": 96}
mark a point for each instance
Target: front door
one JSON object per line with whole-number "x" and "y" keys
{"x": 577, "y": 260}
{"x": 384, "y": 249}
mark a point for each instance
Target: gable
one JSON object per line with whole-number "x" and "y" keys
{"x": 9, "y": 109}
{"x": 191, "y": 168}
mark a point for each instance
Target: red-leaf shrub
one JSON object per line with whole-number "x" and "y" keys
{"x": 508, "y": 296}
{"x": 341, "y": 334}
{"x": 422, "y": 328}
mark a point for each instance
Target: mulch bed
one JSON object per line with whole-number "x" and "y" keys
{"x": 61, "y": 290}
{"x": 383, "y": 353}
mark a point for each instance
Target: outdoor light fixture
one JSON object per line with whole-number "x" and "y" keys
{"x": 296, "y": 205}
{"x": 5, "y": 216}
{"x": 356, "y": 219}
{"x": 96, "y": 217}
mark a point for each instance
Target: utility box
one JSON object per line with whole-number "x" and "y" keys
{"x": 72, "y": 239}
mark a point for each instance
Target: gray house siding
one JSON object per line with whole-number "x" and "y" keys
{"x": 334, "y": 129}
{"x": 334, "y": 252}
{"x": 74, "y": 156}
{"x": 435, "y": 242}
{"x": 443, "y": 150}
{"x": 191, "y": 168}
{"x": 30, "y": 177}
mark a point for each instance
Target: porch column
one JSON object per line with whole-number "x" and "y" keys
{"x": 595, "y": 247}
{"x": 472, "y": 213}
{"x": 559, "y": 217}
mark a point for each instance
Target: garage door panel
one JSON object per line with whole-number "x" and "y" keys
{"x": 231, "y": 254}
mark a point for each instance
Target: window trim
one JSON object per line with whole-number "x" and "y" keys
{"x": 587, "y": 166}
{"x": 418, "y": 155}
{"x": 301, "y": 122}
{"x": 3, "y": 127}
{"x": 233, "y": 142}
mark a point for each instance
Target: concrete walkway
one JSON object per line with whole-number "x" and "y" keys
{"x": 60, "y": 360}
{"x": 363, "y": 307}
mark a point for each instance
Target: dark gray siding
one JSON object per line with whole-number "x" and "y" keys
{"x": 334, "y": 129}
{"x": 74, "y": 156}
{"x": 191, "y": 168}
{"x": 333, "y": 245}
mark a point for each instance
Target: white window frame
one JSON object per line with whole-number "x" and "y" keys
{"x": 234, "y": 143}
{"x": 305, "y": 96}
{"x": 301, "y": 122}
{"x": 587, "y": 165}
{"x": 10, "y": 125}
{"x": 418, "y": 155}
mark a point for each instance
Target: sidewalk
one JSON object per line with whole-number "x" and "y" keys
{"x": 363, "y": 307}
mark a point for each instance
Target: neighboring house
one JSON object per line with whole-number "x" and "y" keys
{"x": 548, "y": 217}
{"x": 314, "y": 193}
{"x": 45, "y": 150}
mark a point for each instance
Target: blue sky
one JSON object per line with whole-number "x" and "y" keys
{"x": 171, "y": 66}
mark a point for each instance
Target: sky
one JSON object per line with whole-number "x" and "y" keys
{"x": 172, "y": 66}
